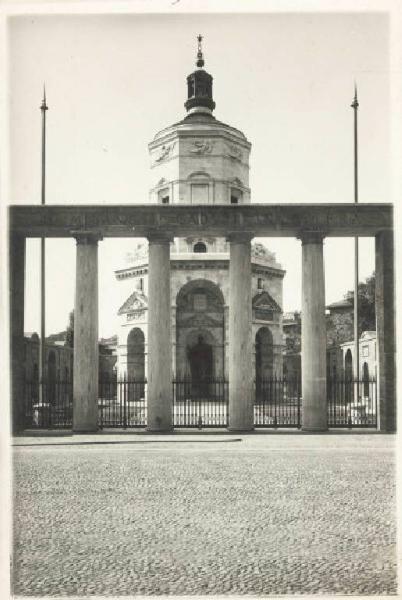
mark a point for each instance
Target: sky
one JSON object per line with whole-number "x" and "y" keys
{"x": 113, "y": 81}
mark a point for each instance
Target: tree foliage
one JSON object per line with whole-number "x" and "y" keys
{"x": 340, "y": 326}
{"x": 366, "y": 306}
{"x": 70, "y": 330}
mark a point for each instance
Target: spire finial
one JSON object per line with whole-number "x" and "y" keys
{"x": 355, "y": 103}
{"x": 43, "y": 105}
{"x": 200, "y": 58}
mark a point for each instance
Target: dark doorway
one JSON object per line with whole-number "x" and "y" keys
{"x": 264, "y": 358}
{"x": 348, "y": 376}
{"x": 51, "y": 377}
{"x": 201, "y": 361}
{"x": 366, "y": 381}
{"x": 136, "y": 364}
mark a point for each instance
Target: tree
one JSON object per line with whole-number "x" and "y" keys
{"x": 340, "y": 324}
{"x": 70, "y": 330}
{"x": 366, "y": 296}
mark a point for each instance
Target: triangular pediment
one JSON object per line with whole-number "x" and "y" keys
{"x": 264, "y": 300}
{"x": 137, "y": 301}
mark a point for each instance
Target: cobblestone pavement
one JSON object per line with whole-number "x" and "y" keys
{"x": 271, "y": 514}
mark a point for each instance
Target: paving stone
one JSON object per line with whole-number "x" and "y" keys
{"x": 269, "y": 515}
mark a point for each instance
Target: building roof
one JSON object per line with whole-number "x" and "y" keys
{"x": 340, "y": 304}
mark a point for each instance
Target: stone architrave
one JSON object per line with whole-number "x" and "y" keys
{"x": 86, "y": 352}
{"x": 314, "y": 337}
{"x": 241, "y": 393}
{"x": 159, "y": 335}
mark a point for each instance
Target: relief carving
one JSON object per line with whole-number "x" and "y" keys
{"x": 165, "y": 152}
{"x": 202, "y": 147}
{"x": 234, "y": 152}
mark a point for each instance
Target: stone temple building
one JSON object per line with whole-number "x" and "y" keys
{"x": 200, "y": 160}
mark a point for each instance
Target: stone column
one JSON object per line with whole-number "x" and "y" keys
{"x": 241, "y": 376}
{"x": 159, "y": 335}
{"x": 385, "y": 317}
{"x": 17, "y": 283}
{"x": 86, "y": 350}
{"x": 314, "y": 335}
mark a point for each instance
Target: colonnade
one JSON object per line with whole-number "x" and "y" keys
{"x": 241, "y": 391}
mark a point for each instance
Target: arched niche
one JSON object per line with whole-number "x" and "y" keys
{"x": 200, "y": 247}
{"x": 135, "y": 364}
{"x": 348, "y": 376}
{"x": 366, "y": 380}
{"x": 264, "y": 357}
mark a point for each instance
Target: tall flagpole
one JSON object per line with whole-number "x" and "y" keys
{"x": 355, "y": 106}
{"x": 42, "y": 353}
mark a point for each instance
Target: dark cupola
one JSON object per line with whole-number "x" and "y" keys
{"x": 199, "y": 86}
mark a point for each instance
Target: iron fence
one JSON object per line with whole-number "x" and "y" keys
{"x": 352, "y": 402}
{"x": 200, "y": 403}
{"x": 122, "y": 403}
{"x": 278, "y": 402}
{"x": 48, "y": 404}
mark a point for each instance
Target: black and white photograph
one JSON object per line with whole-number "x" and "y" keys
{"x": 199, "y": 219}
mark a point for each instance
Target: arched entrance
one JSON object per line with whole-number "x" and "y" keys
{"x": 348, "y": 376}
{"x": 51, "y": 377}
{"x": 135, "y": 363}
{"x": 264, "y": 358}
{"x": 200, "y": 332}
{"x": 366, "y": 380}
{"x": 200, "y": 356}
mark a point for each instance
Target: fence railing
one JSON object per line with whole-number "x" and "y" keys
{"x": 122, "y": 403}
{"x": 48, "y": 404}
{"x": 352, "y": 402}
{"x": 200, "y": 403}
{"x": 278, "y": 402}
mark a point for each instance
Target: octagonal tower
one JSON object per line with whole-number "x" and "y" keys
{"x": 200, "y": 160}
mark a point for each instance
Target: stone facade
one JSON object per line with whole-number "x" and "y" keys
{"x": 200, "y": 306}
{"x": 340, "y": 358}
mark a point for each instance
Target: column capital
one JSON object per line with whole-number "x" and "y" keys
{"x": 242, "y": 237}
{"x": 311, "y": 237}
{"x": 86, "y": 238}
{"x": 159, "y": 237}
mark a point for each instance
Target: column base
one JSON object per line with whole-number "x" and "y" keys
{"x": 152, "y": 430}
{"x": 237, "y": 430}
{"x": 83, "y": 431}
{"x": 315, "y": 429}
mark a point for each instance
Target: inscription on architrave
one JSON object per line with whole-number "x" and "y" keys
{"x": 136, "y": 316}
